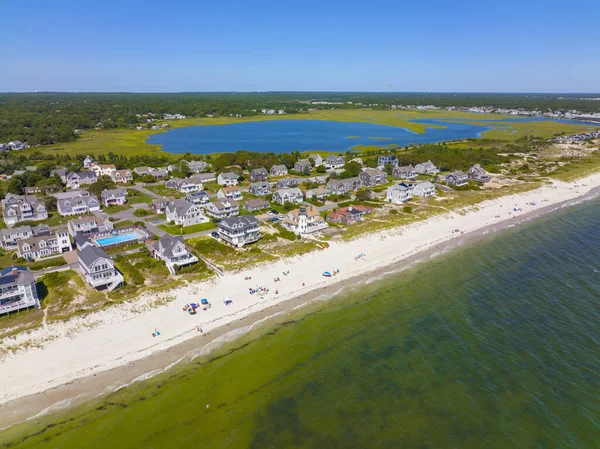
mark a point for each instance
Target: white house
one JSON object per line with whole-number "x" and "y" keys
{"x": 278, "y": 170}
{"x": 173, "y": 252}
{"x": 17, "y": 208}
{"x": 399, "y": 193}
{"x": 293, "y": 195}
{"x": 17, "y": 290}
{"x": 122, "y": 176}
{"x": 230, "y": 193}
{"x": 424, "y": 189}
{"x": 227, "y": 179}
{"x": 316, "y": 158}
{"x": 40, "y": 247}
{"x": 426, "y": 168}
{"x": 98, "y": 269}
{"x": 183, "y": 213}
{"x": 77, "y": 205}
{"x": 103, "y": 169}
{"x": 239, "y": 231}
{"x": 114, "y": 197}
{"x": 305, "y": 220}
{"x": 78, "y": 179}
{"x": 222, "y": 208}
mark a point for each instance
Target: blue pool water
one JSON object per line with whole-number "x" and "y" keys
{"x": 112, "y": 240}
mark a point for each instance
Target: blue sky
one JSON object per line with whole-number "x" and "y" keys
{"x": 162, "y": 46}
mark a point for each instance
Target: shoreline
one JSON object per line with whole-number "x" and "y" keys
{"x": 43, "y": 385}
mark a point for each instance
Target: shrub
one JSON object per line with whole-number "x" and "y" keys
{"x": 393, "y": 212}
{"x": 407, "y": 210}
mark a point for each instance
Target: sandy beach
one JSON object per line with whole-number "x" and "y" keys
{"x": 116, "y": 346}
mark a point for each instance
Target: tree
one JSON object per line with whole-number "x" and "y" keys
{"x": 306, "y": 170}
{"x": 388, "y": 168}
{"x": 354, "y": 168}
{"x": 14, "y": 185}
{"x": 50, "y": 202}
{"x": 321, "y": 169}
{"x": 363, "y": 195}
{"x": 103, "y": 183}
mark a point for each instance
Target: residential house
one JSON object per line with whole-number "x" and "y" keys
{"x": 183, "y": 213}
{"x": 230, "y": 193}
{"x": 42, "y": 246}
{"x": 17, "y": 290}
{"x": 426, "y": 168}
{"x": 70, "y": 194}
{"x": 406, "y": 172}
{"x": 78, "y": 205}
{"x": 142, "y": 170}
{"x": 173, "y": 252}
{"x": 197, "y": 166}
{"x": 292, "y": 195}
{"x": 205, "y": 177}
{"x": 287, "y": 183}
{"x": 184, "y": 185}
{"x": 61, "y": 173}
{"x": 349, "y": 215}
{"x": 88, "y": 161}
{"x": 222, "y": 209}
{"x": 456, "y": 179}
{"x": 260, "y": 188}
{"x": 333, "y": 162}
{"x": 302, "y": 165}
{"x": 15, "y": 145}
{"x": 316, "y": 158}
{"x": 305, "y": 220}
{"x": 259, "y": 174}
{"x": 17, "y": 208}
{"x": 89, "y": 225}
{"x": 239, "y": 231}
{"x": 114, "y": 197}
{"x": 197, "y": 197}
{"x": 318, "y": 179}
{"x": 424, "y": 189}
{"x": 123, "y": 176}
{"x": 399, "y": 193}
{"x": 319, "y": 193}
{"x": 98, "y": 268}
{"x": 478, "y": 174}
{"x": 370, "y": 177}
{"x": 81, "y": 241}
{"x": 338, "y": 186}
{"x": 9, "y": 238}
{"x": 382, "y": 161}
{"x": 159, "y": 173}
{"x": 278, "y": 170}
{"x": 78, "y": 179}
{"x": 255, "y": 205}
{"x": 103, "y": 169}
{"x": 159, "y": 205}
{"x": 227, "y": 179}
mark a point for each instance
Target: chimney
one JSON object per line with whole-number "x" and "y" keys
{"x": 302, "y": 211}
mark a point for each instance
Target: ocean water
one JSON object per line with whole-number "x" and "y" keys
{"x": 282, "y": 136}
{"x": 494, "y": 345}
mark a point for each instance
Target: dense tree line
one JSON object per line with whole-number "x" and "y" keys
{"x": 43, "y": 118}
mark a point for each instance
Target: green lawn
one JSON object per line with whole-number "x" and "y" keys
{"x": 178, "y": 230}
{"x": 161, "y": 190}
{"x": 123, "y": 224}
{"x": 142, "y": 213}
{"x": 135, "y": 197}
{"x": 114, "y": 209}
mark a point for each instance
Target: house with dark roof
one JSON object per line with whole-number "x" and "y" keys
{"x": 173, "y": 252}
{"x": 478, "y": 174}
{"x": 278, "y": 170}
{"x": 260, "y": 188}
{"x": 196, "y": 166}
{"x": 98, "y": 269}
{"x": 255, "y": 205}
{"x": 197, "y": 197}
{"x": 159, "y": 205}
{"x": 370, "y": 177}
{"x": 456, "y": 179}
{"x": 389, "y": 159}
{"x": 114, "y": 197}
{"x": 287, "y": 183}
{"x": 259, "y": 174}
{"x": 239, "y": 231}
{"x": 17, "y": 289}
{"x": 78, "y": 205}
{"x": 333, "y": 162}
{"x": 78, "y": 179}
{"x": 184, "y": 185}
{"x": 302, "y": 165}
{"x": 348, "y": 185}
{"x": 61, "y": 173}
{"x": 183, "y": 213}
{"x": 405, "y": 172}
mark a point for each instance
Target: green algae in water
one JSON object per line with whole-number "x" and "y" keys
{"x": 491, "y": 346}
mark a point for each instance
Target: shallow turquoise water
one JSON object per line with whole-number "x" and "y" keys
{"x": 493, "y": 346}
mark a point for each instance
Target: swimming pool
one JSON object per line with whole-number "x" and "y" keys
{"x": 122, "y": 238}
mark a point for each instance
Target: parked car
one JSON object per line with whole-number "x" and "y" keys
{"x": 214, "y": 235}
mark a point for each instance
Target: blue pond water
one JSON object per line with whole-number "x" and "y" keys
{"x": 282, "y": 136}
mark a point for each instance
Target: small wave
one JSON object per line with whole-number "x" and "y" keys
{"x": 57, "y": 406}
